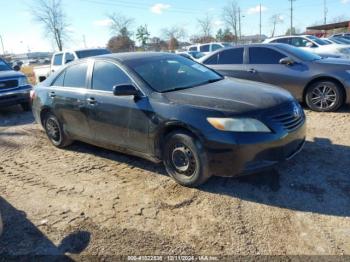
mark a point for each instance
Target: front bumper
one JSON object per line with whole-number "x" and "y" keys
{"x": 231, "y": 160}
{"x": 15, "y": 96}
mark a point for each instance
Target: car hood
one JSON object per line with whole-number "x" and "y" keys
{"x": 233, "y": 95}
{"x": 10, "y": 74}
{"x": 334, "y": 61}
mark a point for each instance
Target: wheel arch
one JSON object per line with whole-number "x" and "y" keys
{"x": 43, "y": 113}
{"x": 172, "y": 127}
{"x": 324, "y": 78}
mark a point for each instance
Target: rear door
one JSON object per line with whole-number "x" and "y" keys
{"x": 229, "y": 62}
{"x": 120, "y": 121}
{"x": 68, "y": 100}
{"x": 264, "y": 66}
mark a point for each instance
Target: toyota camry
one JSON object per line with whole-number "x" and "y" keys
{"x": 166, "y": 108}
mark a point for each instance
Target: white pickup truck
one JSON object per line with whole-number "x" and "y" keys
{"x": 61, "y": 58}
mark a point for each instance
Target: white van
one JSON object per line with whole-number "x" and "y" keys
{"x": 209, "y": 47}
{"x": 61, "y": 58}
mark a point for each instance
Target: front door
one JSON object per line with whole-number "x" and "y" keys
{"x": 115, "y": 120}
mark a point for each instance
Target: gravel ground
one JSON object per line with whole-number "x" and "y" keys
{"x": 90, "y": 201}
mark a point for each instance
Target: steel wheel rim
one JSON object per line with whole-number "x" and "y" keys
{"x": 183, "y": 160}
{"x": 53, "y": 130}
{"x": 324, "y": 96}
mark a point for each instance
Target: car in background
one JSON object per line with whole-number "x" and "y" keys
{"x": 337, "y": 40}
{"x": 323, "y": 83}
{"x": 62, "y": 58}
{"x": 314, "y": 45}
{"x": 14, "y": 87}
{"x": 194, "y": 55}
{"x": 208, "y": 48}
{"x": 164, "y": 107}
{"x": 342, "y": 35}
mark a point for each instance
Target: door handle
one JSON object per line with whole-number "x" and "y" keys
{"x": 52, "y": 94}
{"x": 252, "y": 71}
{"x": 91, "y": 101}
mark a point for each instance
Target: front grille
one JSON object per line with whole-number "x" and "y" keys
{"x": 8, "y": 84}
{"x": 291, "y": 118}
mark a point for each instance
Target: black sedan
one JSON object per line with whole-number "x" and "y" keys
{"x": 323, "y": 83}
{"x": 164, "y": 107}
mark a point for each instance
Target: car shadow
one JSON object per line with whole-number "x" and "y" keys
{"x": 21, "y": 240}
{"x": 317, "y": 180}
{"x": 14, "y": 116}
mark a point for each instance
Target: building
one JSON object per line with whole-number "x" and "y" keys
{"x": 328, "y": 29}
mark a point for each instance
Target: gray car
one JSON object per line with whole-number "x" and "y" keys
{"x": 323, "y": 83}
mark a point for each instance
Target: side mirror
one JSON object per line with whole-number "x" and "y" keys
{"x": 309, "y": 45}
{"x": 125, "y": 90}
{"x": 16, "y": 68}
{"x": 287, "y": 61}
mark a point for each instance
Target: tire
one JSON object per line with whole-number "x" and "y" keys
{"x": 324, "y": 96}
{"x": 185, "y": 159}
{"x": 55, "y": 133}
{"x": 26, "y": 106}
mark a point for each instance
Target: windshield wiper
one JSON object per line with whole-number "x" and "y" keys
{"x": 195, "y": 85}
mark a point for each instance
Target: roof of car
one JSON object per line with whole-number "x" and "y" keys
{"x": 136, "y": 55}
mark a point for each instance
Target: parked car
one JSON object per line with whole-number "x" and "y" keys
{"x": 14, "y": 87}
{"x": 342, "y": 35}
{"x": 314, "y": 45}
{"x": 194, "y": 55}
{"x": 164, "y": 107}
{"x": 337, "y": 40}
{"x": 323, "y": 83}
{"x": 62, "y": 58}
{"x": 208, "y": 48}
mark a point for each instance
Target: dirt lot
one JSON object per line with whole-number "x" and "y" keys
{"x": 89, "y": 201}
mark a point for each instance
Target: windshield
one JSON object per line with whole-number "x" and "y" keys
{"x": 318, "y": 40}
{"x": 170, "y": 73}
{"x": 4, "y": 66}
{"x": 92, "y": 52}
{"x": 300, "y": 53}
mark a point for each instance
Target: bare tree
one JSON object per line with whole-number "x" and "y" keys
{"x": 120, "y": 25}
{"x": 275, "y": 20}
{"x": 231, "y": 17}
{"x": 50, "y": 14}
{"x": 176, "y": 32}
{"x": 206, "y": 25}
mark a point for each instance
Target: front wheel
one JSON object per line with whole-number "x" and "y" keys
{"x": 185, "y": 159}
{"x": 55, "y": 132}
{"x": 324, "y": 96}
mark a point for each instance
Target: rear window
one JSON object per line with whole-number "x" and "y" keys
{"x": 57, "y": 60}
{"x": 264, "y": 56}
{"x": 75, "y": 76}
{"x": 90, "y": 53}
{"x": 231, "y": 57}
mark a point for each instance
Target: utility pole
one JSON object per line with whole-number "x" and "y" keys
{"x": 239, "y": 24}
{"x": 325, "y": 11}
{"x": 84, "y": 41}
{"x": 291, "y": 16}
{"x": 260, "y": 24}
{"x": 2, "y": 45}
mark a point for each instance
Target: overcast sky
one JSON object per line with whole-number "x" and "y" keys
{"x": 89, "y": 18}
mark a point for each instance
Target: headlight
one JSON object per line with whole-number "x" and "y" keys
{"x": 239, "y": 125}
{"x": 22, "y": 81}
{"x": 345, "y": 51}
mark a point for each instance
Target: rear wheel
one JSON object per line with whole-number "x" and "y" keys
{"x": 26, "y": 106}
{"x": 185, "y": 159}
{"x": 324, "y": 96}
{"x": 55, "y": 131}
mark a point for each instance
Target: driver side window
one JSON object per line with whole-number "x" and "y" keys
{"x": 106, "y": 75}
